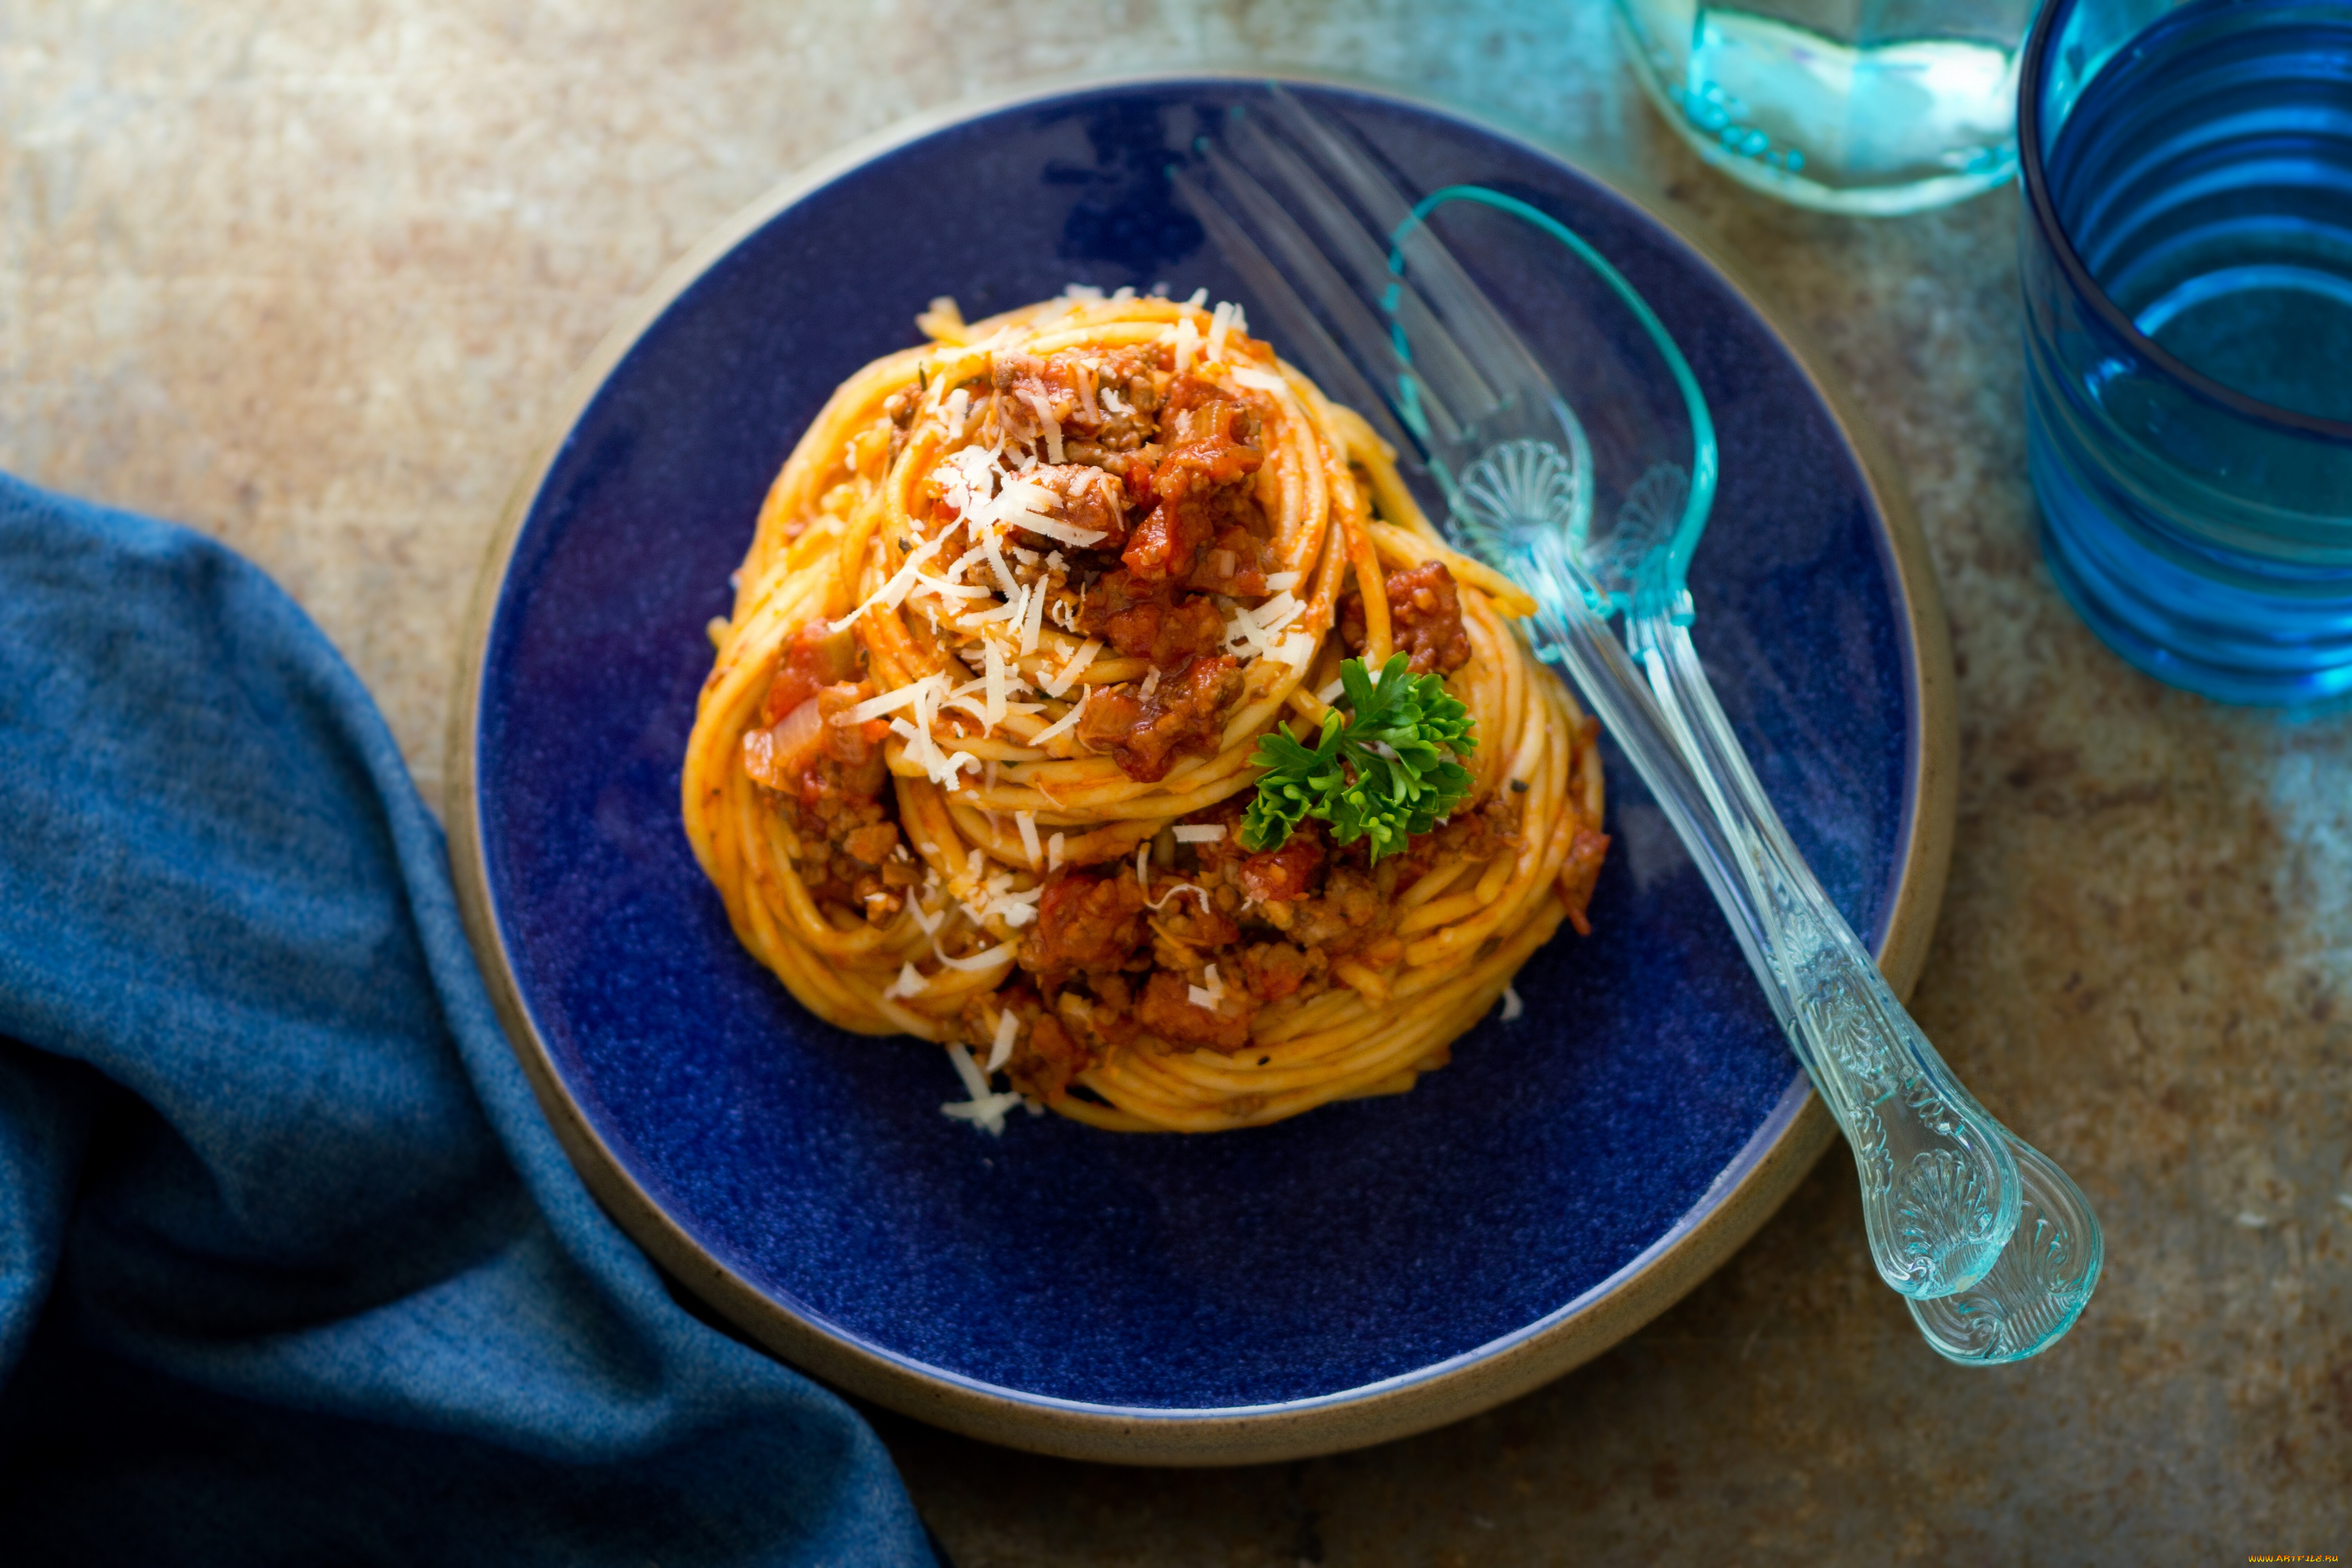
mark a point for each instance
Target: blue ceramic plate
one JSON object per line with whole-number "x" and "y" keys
{"x": 1364, "y": 1270}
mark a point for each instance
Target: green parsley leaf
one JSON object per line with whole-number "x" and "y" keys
{"x": 1385, "y": 772}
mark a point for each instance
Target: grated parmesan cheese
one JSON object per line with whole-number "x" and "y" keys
{"x": 1253, "y": 630}
{"x": 995, "y": 554}
{"x": 1187, "y": 340}
{"x": 1046, "y": 422}
{"x": 1008, "y": 1028}
{"x": 1279, "y": 612}
{"x": 985, "y": 959}
{"x": 994, "y": 613}
{"x": 987, "y": 1113}
{"x": 1219, "y": 325}
{"x": 942, "y": 768}
{"x": 1027, "y": 822}
{"x": 946, "y": 589}
{"x": 1260, "y": 381}
{"x": 1200, "y": 299}
{"x": 1512, "y": 1005}
{"x": 974, "y": 1083}
{"x": 1054, "y": 853}
{"x": 971, "y": 477}
{"x": 1178, "y": 890}
{"x": 890, "y": 593}
{"x": 1200, "y": 832}
{"x": 999, "y": 690}
{"x": 1032, "y": 624}
{"x": 909, "y": 983}
{"x": 983, "y": 1110}
{"x": 1063, "y": 723}
{"x": 908, "y": 694}
{"x": 1026, "y": 504}
{"x": 1080, "y": 657}
{"x": 1282, "y": 581}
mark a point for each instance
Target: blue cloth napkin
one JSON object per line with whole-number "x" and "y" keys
{"x": 291, "y": 1269}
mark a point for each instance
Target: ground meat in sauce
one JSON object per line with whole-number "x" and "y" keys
{"x": 1476, "y": 835}
{"x": 1273, "y": 970}
{"x": 1086, "y": 921}
{"x": 1286, "y": 874}
{"x": 1350, "y": 913}
{"x": 1087, "y": 498}
{"x": 828, "y": 779}
{"x": 1188, "y": 920}
{"x": 1166, "y": 1009}
{"x": 1126, "y": 422}
{"x": 1032, "y": 390}
{"x": 1146, "y": 620}
{"x": 833, "y": 802}
{"x": 1579, "y": 873}
{"x": 1234, "y": 563}
{"x": 1185, "y": 712}
{"x": 1048, "y": 1057}
{"x": 1045, "y": 1055}
{"x": 1210, "y": 443}
{"x": 1271, "y": 921}
{"x": 1103, "y": 405}
{"x": 1425, "y": 618}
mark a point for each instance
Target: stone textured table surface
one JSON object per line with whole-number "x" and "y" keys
{"x": 308, "y": 277}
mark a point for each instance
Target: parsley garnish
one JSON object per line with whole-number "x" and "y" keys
{"x": 1386, "y": 774}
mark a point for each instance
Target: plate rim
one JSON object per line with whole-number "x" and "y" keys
{"x": 1749, "y": 1191}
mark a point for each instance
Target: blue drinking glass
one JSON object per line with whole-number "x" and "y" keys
{"x": 2187, "y": 275}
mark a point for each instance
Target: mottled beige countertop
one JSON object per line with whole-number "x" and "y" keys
{"x": 309, "y": 277}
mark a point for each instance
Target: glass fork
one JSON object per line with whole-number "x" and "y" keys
{"x": 1594, "y": 498}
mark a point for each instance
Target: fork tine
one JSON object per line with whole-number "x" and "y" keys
{"x": 1305, "y": 341}
{"x": 1361, "y": 340}
{"x": 1438, "y": 365}
{"x": 1473, "y": 328}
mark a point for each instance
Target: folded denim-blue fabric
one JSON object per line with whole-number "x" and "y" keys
{"x": 291, "y": 1269}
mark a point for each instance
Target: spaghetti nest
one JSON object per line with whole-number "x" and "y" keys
{"x": 974, "y": 760}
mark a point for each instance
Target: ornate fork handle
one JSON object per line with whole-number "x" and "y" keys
{"x": 1939, "y": 1186}
{"x": 2041, "y": 1276}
